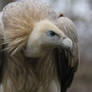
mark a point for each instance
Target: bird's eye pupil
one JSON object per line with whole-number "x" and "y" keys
{"x": 51, "y": 33}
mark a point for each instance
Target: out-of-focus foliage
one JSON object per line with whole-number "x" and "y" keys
{"x": 3, "y": 3}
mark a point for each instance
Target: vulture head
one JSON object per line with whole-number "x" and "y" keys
{"x": 46, "y": 36}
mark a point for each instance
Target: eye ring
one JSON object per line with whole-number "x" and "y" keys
{"x": 51, "y": 33}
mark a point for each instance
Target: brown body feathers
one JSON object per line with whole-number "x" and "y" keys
{"x": 31, "y": 33}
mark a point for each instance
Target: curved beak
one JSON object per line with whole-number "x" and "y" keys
{"x": 66, "y": 43}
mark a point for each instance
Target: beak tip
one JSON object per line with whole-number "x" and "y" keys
{"x": 70, "y": 48}
{"x": 67, "y": 42}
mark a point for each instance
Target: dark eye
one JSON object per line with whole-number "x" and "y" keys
{"x": 51, "y": 33}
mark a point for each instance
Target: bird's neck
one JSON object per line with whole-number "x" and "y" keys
{"x": 22, "y": 73}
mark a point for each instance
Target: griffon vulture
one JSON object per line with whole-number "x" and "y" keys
{"x": 38, "y": 48}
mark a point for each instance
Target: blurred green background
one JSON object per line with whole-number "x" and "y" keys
{"x": 80, "y": 11}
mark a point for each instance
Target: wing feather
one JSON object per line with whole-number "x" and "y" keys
{"x": 1, "y": 45}
{"x": 0, "y": 39}
{"x": 66, "y": 62}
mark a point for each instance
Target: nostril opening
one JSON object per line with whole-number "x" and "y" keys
{"x": 64, "y": 37}
{"x": 70, "y": 48}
